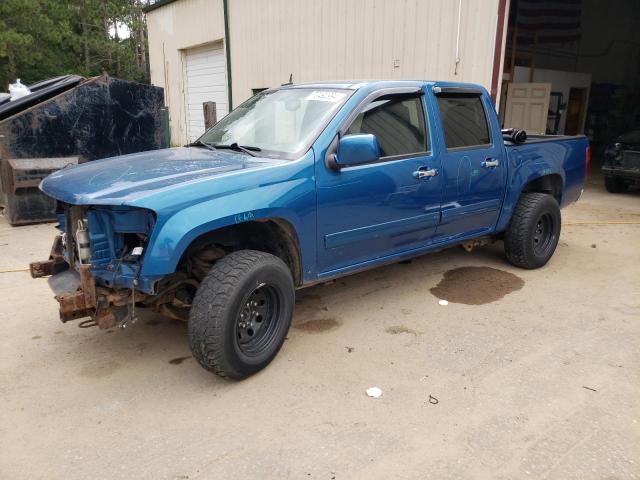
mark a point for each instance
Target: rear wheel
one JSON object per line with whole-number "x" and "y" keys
{"x": 534, "y": 230}
{"x": 615, "y": 185}
{"x": 241, "y": 313}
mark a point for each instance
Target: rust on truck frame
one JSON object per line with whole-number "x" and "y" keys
{"x": 56, "y": 262}
{"x": 82, "y": 302}
{"x": 87, "y": 300}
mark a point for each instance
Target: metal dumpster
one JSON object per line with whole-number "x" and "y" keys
{"x": 71, "y": 120}
{"x": 20, "y": 178}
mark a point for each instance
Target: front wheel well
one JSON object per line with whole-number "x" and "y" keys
{"x": 273, "y": 235}
{"x": 549, "y": 184}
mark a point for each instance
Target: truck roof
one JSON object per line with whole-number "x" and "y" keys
{"x": 374, "y": 84}
{"x": 356, "y": 84}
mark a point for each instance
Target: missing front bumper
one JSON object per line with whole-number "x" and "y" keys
{"x": 78, "y": 295}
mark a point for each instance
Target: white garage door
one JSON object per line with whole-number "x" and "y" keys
{"x": 205, "y": 81}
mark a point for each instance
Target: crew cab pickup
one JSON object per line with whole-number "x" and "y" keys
{"x": 298, "y": 185}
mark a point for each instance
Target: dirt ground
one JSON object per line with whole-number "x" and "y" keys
{"x": 523, "y": 375}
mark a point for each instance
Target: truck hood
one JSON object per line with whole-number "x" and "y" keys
{"x": 125, "y": 179}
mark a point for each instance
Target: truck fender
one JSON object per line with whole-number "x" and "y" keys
{"x": 526, "y": 168}
{"x": 171, "y": 239}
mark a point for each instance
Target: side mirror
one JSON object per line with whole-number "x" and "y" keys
{"x": 356, "y": 149}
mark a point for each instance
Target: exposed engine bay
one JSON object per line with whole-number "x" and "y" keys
{"x": 95, "y": 263}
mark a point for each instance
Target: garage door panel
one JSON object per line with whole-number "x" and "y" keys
{"x": 206, "y": 65}
{"x": 212, "y": 61}
{"x": 205, "y": 69}
{"x": 197, "y": 102}
{"x": 201, "y": 94}
{"x": 208, "y": 53}
{"x": 198, "y": 89}
{"x": 205, "y": 81}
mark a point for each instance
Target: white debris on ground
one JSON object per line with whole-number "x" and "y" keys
{"x": 444, "y": 303}
{"x": 374, "y": 392}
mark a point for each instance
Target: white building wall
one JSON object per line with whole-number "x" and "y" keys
{"x": 173, "y": 29}
{"x": 324, "y": 40}
{"x": 359, "y": 39}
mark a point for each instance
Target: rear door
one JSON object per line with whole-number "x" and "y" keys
{"x": 375, "y": 210}
{"x": 474, "y": 173}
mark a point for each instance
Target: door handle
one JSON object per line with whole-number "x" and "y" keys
{"x": 420, "y": 174}
{"x": 490, "y": 163}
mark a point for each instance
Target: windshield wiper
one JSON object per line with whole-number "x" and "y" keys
{"x": 200, "y": 143}
{"x": 240, "y": 148}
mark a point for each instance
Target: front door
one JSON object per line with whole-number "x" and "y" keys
{"x": 474, "y": 173}
{"x": 376, "y": 210}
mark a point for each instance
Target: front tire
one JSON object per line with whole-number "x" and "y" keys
{"x": 241, "y": 313}
{"x": 615, "y": 185}
{"x": 534, "y": 231}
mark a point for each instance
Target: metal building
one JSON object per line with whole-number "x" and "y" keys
{"x": 226, "y": 50}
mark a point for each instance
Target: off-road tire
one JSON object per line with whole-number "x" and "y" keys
{"x": 520, "y": 246}
{"x": 615, "y": 185}
{"x": 214, "y": 320}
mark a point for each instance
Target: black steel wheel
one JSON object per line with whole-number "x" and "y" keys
{"x": 241, "y": 313}
{"x": 534, "y": 230}
{"x": 257, "y": 320}
{"x": 544, "y": 236}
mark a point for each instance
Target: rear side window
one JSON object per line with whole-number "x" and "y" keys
{"x": 464, "y": 120}
{"x": 398, "y": 123}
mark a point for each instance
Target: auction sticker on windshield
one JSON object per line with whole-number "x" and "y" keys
{"x": 326, "y": 96}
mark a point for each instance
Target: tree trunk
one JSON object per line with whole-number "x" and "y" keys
{"x": 116, "y": 37}
{"x": 85, "y": 46}
{"x": 105, "y": 28}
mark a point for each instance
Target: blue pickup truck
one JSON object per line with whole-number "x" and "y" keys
{"x": 298, "y": 185}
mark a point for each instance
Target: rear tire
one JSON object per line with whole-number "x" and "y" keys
{"x": 534, "y": 231}
{"x": 241, "y": 313}
{"x": 615, "y": 185}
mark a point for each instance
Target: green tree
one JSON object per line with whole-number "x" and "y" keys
{"x": 45, "y": 38}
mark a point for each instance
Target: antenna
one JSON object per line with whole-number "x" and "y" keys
{"x": 290, "y": 82}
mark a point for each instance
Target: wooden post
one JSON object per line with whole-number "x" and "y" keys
{"x": 210, "y": 115}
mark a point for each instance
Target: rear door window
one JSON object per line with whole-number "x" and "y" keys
{"x": 464, "y": 121}
{"x": 398, "y": 123}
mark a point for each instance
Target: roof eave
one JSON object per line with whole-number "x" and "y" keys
{"x": 156, "y": 5}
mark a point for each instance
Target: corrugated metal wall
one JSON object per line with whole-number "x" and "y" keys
{"x": 323, "y": 40}
{"x": 356, "y": 39}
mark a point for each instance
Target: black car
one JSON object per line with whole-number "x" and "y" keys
{"x": 621, "y": 165}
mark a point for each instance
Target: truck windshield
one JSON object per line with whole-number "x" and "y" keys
{"x": 278, "y": 123}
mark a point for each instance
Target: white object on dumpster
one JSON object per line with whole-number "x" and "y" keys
{"x": 18, "y": 90}
{"x": 374, "y": 392}
{"x": 4, "y": 96}
{"x": 444, "y": 303}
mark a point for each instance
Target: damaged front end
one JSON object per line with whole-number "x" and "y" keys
{"x": 94, "y": 264}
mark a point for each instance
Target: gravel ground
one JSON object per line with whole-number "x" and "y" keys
{"x": 524, "y": 374}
